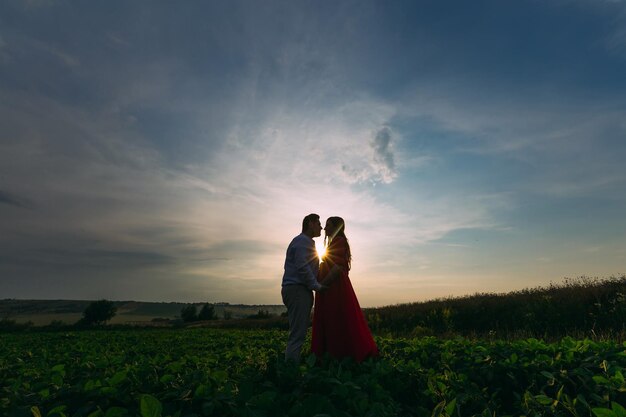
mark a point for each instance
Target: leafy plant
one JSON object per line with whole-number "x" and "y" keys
{"x": 216, "y": 372}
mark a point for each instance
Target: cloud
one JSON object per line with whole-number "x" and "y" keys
{"x": 64, "y": 57}
{"x": 242, "y": 249}
{"x": 376, "y": 165}
{"x": 118, "y": 40}
{"x": 5, "y": 57}
{"x": 383, "y": 155}
{"x": 12, "y": 200}
{"x": 191, "y": 157}
{"x": 544, "y": 135}
{"x": 229, "y": 218}
{"x": 616, "y": 40}
{"x": 25, "y": 50}
{"x": 76, "y": 258}
{"x": 34, "y": 5}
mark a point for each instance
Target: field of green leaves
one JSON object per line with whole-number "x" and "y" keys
{"x": 215, "y": 372}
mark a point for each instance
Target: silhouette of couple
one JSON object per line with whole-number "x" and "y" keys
{"x": 339, "y": 327}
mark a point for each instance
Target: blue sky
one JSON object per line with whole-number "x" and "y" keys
{"x": 168, "y": 151}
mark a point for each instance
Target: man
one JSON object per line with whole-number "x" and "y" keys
{"x": 299, "y": 282}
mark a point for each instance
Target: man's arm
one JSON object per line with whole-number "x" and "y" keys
{"x": 303, "y": 257}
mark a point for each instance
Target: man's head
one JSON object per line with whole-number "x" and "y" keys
{"x": 311, "y": 225}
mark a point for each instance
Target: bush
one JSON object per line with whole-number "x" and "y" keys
{"x": 188, "y": 313}
{"x": 207, "y": 313}
{"x": 261, "y": 314}
{"x": 581, "y": 307}
{"x": 10, "y": 325}
{"x": 56, "y": 324}
{"x": 98, "y": 313}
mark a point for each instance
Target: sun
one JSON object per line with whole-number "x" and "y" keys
{"x": 321, "y": 250}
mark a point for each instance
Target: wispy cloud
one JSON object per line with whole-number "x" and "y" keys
{"x": 32, "y": 5}
{"x": 379, "y": 166}
{"x": 383, "y": 155}
{"x": 615, "y": 41}
{"x": 76, "y": 258}
{"x": 185, "y": 158}
{"x": 229, "y": 219}
{"x": 11, "y": 200}
{"x": 552, "y": 137}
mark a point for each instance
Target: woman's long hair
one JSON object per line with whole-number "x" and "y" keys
{"x": 340, "y": 230}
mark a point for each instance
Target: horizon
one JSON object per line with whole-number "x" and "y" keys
{"x": 170, "y": 151}
{"x": 226, "y": 303}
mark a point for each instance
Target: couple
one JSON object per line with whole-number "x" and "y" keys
{"x": 339, "y": 327}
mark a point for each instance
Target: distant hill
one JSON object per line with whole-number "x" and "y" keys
{"x": 42, "y": 312}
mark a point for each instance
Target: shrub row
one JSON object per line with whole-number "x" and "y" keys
{"x": 583, "y": 306}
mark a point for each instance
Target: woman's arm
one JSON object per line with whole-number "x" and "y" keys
{"x": 335, "y": 258}
{"x": 335, "y": 272}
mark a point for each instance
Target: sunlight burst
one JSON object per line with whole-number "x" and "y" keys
{"x": 321, "y": 250}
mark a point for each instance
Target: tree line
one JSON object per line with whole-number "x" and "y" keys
{"x": 189, "y": 313}
{"x": 100, "y": 312}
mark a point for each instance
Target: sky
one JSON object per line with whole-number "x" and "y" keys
{"x": 168, "y": 151}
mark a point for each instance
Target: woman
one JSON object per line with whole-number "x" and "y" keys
{"x": 339, "y": 327}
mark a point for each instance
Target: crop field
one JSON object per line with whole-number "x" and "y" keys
{"x": 217, "y": 372}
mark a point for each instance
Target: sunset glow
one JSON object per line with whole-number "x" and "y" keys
{"x": 169, "y": 151}
{"x": 321, "y": 249}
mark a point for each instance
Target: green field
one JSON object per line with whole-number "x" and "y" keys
{"x": 216, "y": 372}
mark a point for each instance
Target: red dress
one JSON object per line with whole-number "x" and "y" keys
{"x": 339, "y": 327}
